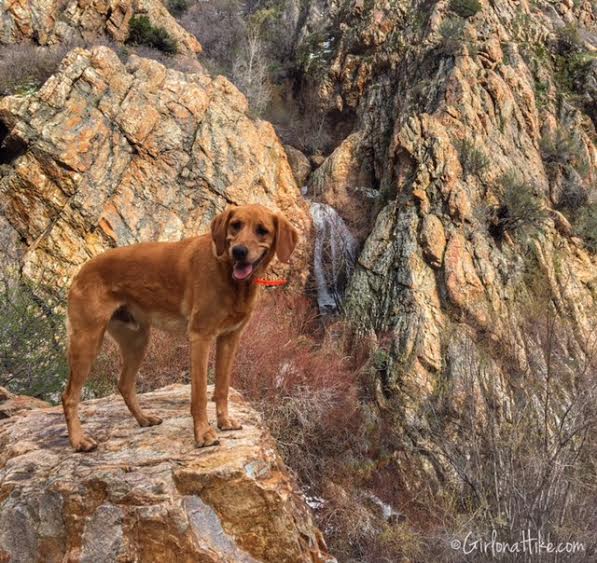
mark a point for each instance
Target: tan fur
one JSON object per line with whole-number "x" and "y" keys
{"x": 173, "y": 286}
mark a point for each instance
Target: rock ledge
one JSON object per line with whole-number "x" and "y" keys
{"x": 147, "y": 494}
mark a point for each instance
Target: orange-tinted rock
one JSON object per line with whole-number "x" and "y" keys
{"x": 11, "y": 404}
{"x": 48, "y": 22}
{"x": 119, "y": 154}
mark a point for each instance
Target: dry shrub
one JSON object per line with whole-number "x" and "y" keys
{"x": 295, "y": 372}
{"x": 522, "y": 438}
{"x": 25, "y": 67}
{"x": 306, "y": 374}
{"x": 220, "y": 28}
{"x": 166, "y": 362}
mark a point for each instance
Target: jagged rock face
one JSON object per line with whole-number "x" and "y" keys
{"x": 48, "y": 23}
{"x": 300, "y": 165}
{"x": 110, "y": 155}
{"x": 431, "y": 274}
{"x": 345, "y": 182}
{"x": 148, "y": 494}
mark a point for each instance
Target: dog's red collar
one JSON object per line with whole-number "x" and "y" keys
{"x": 270, "y": 283}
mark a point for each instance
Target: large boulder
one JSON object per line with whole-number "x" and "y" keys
{"x": 147, "y": 494}
{"x": 108, "y": 154}
{"x": 49, "y": 22}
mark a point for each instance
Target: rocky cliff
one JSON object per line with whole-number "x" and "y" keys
{"x": 468, "y": 176}
{"x": 108, "y": 154}
{"x": 49, "y": 23}
{"x": 148, "y": 494}
{"x": 459, "y": 105}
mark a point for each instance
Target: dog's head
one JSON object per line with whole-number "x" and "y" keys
{"x": 249, "y": 236}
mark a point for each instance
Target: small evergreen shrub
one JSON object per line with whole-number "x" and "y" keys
{"x": 465, "y": 8}
{"x": 178, "y": 7}
{"x": 568, "y": 39}
{"x": 451, "y": 31}
{"x": 472, "y": 159}
{"x": 585, "y": 226}
{"x": 521, "y": 207}
{"x": 143, "y": 32}
{"x": 32, "y": 342}
{"x": 563, "y": 147}
{"x": 573, "y": 195}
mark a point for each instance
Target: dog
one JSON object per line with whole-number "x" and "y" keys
{"x": 203, "y": 285}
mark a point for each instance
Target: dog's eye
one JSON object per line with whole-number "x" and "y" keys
{"x": 236, "y": 225}
{"x": 262, "y": 231}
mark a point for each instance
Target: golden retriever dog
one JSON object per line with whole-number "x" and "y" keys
{"x": 203, "y": 285}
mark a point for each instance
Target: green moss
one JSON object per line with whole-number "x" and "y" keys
{"x": 143, "y": 32}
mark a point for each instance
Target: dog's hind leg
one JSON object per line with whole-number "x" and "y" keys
{"x": 132, "y": 339}
{"x": 83, "y": 347}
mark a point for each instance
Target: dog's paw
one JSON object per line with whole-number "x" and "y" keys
{"x": 229, "y": 424}
{"x": 149, "y": 420}
{"x": 85, "y": 444}
{"x": 206, "y": 438}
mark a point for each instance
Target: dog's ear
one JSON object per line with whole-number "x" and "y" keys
{"x": 219, "y": 229}
{"x": 286, "y": 238}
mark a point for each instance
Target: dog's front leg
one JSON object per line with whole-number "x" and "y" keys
{"x": 226, "y": 346}
{"x": 205, "y": 435}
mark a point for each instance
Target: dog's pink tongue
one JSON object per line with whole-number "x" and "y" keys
{"x": 242, "y": 272}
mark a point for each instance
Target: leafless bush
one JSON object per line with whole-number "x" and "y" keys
{"x": 25, "y": 67}
{"x": 250, "y": 71}
{"x": 522, "y": 439}
{"x": 166, "y": 361}
{"x": 220, "y": 28}
{"x": 304, "y": 386}
{"x": 307, "y": 129}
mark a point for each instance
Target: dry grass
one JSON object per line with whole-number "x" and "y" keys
{"x": 296, "y": 373}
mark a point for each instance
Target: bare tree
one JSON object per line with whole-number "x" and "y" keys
{"x": 250, "y": 71}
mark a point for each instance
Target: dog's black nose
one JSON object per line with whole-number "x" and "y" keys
{"x": 240, "y": 253}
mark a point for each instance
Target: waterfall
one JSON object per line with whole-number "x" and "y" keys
{"x": 335, "y": 254}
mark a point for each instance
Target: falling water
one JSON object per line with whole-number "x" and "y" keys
{"x": 334, "y": 256}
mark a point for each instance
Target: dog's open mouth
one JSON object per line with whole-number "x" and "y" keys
{"x": 242, "y": 271}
